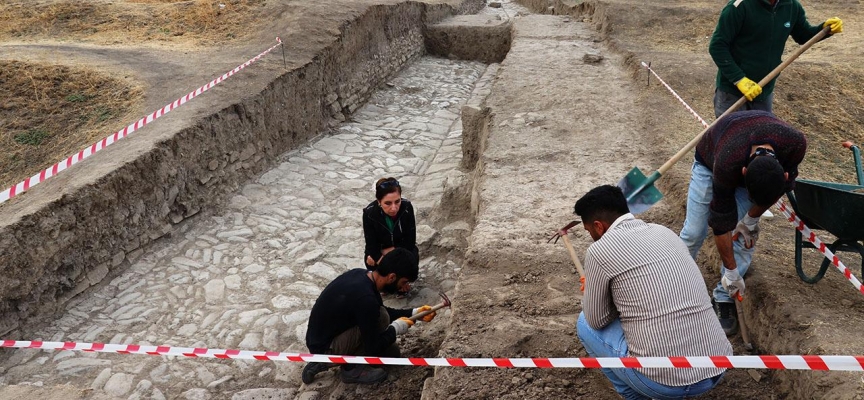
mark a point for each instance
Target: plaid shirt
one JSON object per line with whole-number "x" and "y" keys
{"x": 643, "y": 274}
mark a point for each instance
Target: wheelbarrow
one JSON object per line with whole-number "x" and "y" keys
{"x": 834, "y": 207}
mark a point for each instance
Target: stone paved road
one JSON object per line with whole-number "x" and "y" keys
{"x": 246, "y": 277}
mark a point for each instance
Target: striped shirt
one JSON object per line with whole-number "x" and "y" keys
{"x": 643, "y": 274}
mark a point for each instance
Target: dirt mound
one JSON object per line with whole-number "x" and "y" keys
{"x": 48, "y": 112}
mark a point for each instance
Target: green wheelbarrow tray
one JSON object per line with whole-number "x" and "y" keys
{"x": 835, "y": 207}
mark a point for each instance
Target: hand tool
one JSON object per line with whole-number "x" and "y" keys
{"x": 639, "y": 189}
{"x": 445, "y": 303}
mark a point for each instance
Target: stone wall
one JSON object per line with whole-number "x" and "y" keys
{"x": 52, "y": 252}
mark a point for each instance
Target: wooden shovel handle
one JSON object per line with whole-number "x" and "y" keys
{"x": 773, "y": 74}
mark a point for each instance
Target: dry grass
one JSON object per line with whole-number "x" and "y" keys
{"x": 127, "y": 22}
{"x": 48, "y": 112}
{"x": 825, "y": 101}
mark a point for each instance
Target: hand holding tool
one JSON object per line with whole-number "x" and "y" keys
{"x": 401, "y": 325}
{"x": 428, "y": 317}
{"x": 835, "y": 24}
{"x": 639, "y": 189}
{"x": 432, "y": 310}
{"x": 733, "y": 282}
{"x": 748, "y": 88}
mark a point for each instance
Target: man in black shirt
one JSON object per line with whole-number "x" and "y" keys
{"x": 349, "y": 317}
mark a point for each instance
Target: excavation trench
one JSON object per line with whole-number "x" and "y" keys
{"x": 240, "y": 268}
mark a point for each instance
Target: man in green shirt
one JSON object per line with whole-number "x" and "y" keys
{"x": 747, "y": 44}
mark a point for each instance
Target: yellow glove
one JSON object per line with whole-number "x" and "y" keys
{"x": 836, "y": 25}
{"x": 427, "y": 318}
{"x": 749, "y": 88}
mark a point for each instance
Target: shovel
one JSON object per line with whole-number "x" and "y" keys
{"x": 639, "y": 189}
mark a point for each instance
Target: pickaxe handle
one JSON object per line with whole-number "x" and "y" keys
{"x": 573, "y": 255}
{"x": 742, "y": 325}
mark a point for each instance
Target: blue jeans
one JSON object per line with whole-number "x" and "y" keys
{"x": 696, "y": 223}
{"x": 723, "y": 100}
{"x": 629, "y": 383}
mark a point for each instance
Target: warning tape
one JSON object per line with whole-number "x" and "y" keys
{"x": 819, "y": 244}
{"x": 687, "y": 106}
{"x": 107, "y": 141}
{"x": 790, "y": 215}
{"x": 803, "y": 362}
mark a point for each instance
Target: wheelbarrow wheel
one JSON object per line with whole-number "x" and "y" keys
{"x": 799, "y": 268}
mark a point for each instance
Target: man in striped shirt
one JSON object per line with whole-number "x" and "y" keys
{"x": 644, "y": 297}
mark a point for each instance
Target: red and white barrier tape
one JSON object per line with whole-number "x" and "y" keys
{"x": 790, "y": 215}
{"x": 806, "y": 362}
{"x": 810, "y": 236}
{"x": 88, "y": 151}
{"x": 687, "y": 106}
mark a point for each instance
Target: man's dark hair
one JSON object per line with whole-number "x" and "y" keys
{"x": 603, "y": 203}
{"x": 765, "y": 180}
{"x": 400, "y": 261}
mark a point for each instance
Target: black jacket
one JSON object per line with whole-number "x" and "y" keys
{"x": 377, "y": 235}
{"x": 350, "y": 300}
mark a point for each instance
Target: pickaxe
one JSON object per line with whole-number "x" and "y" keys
{"x": 445, "y": 303}
{"x": 562, "y": 233}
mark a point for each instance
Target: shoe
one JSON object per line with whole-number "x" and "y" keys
{"x": 728, "y": 318}
{"x": 767, "y": 214}
{"x": 313, "y": 368}
{"x": 363, "y": 374}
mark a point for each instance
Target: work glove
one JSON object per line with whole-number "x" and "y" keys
{"x": 748, "y": 230}
{"x": 401, "y": 325}
{"x": 427, "y": 318}
{"x": 749, "y": 88}
{"x": 733, "y": 282}
{"x": 836, "y": 25}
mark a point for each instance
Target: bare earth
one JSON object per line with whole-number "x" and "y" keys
{"x": 560, "y": 127}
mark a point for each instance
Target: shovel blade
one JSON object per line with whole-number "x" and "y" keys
{"x": 639, "y": 190}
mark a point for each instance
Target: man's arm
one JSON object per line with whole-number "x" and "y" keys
{"x": 728, "y": 26}
{"x": 802, "y": 31}
{"x": 597, "y": 302}
{"x": 398, "y": 313}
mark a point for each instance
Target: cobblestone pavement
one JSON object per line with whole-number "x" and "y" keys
{"x": 247, "y": 277}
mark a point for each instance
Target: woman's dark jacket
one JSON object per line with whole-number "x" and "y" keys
{"x": 377, "y": 235}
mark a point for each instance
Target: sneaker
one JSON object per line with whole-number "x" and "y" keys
{"x": 767, "y": 214}
{"x": 313, "y": 368}
{"x": 728, "y": 318}
{"x": 363, "y": 374}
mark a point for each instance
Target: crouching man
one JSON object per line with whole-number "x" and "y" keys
{"x": 349, "y": 317}
{"x": 644, "y": 297}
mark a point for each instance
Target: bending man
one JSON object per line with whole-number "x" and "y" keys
{"x": 743, "y": 165}
{"x": 644, "y": 297}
